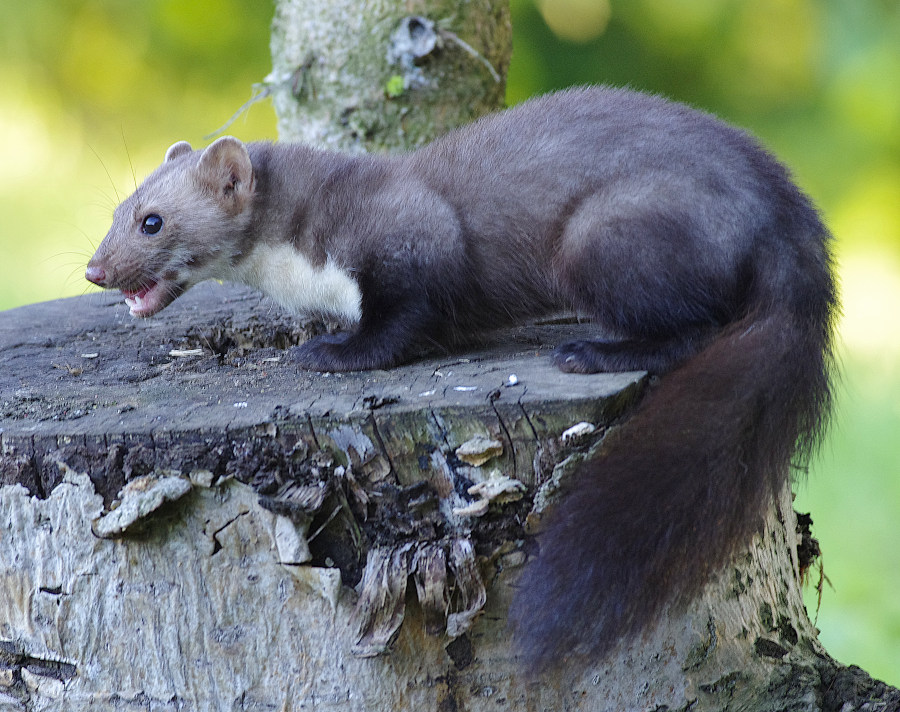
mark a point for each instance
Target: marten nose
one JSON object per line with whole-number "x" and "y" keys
{"x": 97, "y": 275}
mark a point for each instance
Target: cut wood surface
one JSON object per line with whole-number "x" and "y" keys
{"x": 191, "y": 523}
{"x": 83, "y": 374}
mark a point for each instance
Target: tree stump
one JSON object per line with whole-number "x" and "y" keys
{"x": 190, "y": 523}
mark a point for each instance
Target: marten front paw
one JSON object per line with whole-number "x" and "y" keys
{"x": 343, "y": 352}
{"x": 321, "y": 353}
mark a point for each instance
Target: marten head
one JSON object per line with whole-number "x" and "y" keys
{"x": 183, "y": 225}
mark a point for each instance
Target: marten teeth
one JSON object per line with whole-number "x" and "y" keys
{"x": 134, "y": 303}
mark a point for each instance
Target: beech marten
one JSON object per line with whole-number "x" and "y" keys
{"x": 684, "y": 240}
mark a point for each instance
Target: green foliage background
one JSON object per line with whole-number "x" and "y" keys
{"x": 92, "y": 93}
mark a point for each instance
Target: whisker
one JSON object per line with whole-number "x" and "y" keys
{"x": 106, "y": 170}
{"x": 107, "y": 204}
{"x": 75, "y": 276}
{"x": 130, "y": 163}
{"x": 68, "y": 253}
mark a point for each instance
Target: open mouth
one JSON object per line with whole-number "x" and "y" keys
{"x": 150, "y": 299}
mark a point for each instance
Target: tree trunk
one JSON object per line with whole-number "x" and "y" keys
{"x": 189, "y": 523}
{"x": 383, "y": 75}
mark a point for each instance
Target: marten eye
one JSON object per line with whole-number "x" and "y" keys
{"x": 152, "y": 224}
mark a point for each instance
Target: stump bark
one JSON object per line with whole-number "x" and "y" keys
{"x": 189, "y": 523}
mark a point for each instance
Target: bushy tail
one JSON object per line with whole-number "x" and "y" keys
{"x": 680, "y": 486}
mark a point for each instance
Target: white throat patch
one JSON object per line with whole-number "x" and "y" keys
{"x": 286, "y": 276}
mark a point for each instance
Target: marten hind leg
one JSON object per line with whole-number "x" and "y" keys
{"x": 657, "y": 357}
{"x": 657, "y": 290}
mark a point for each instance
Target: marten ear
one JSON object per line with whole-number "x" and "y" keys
{"x": 225, "y": 168}
{"x": 177, "y": 149}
